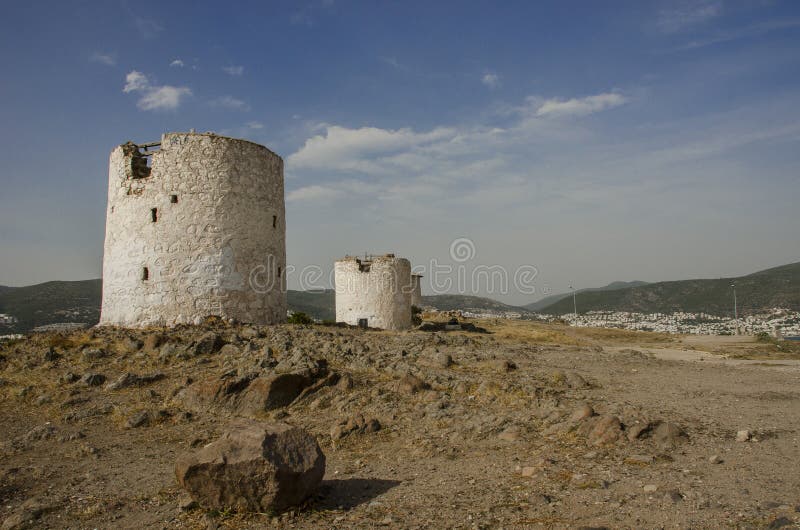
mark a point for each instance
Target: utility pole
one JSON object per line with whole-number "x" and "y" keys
{"x": 574, "y": 302}
{"x": 735, "y": 308}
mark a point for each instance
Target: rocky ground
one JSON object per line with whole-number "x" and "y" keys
{"x": 529, "y": 426}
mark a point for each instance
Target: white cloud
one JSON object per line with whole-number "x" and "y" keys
{"x": 233, "y": 70}
{"x": 163, "y": 98}
{"x": 177, "y": 63}
{"x": 491, "y": 80}
{"x": 345, "y": 148}
{"x": 154, "y": 97}
{"x": 135, "y": 81}
{"x": 687, "y": 15}
{"x": 230, "y": 103}
{"x": 107, "y": 59}
{"x": 579, "y": 106}
{"x": 315, "y": 192}
{"x": 254, "y": 125}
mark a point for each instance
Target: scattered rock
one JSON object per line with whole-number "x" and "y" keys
{"x": 50, "y": 355}
{"x": 230, "y": 350}
{"x": 668, "y": 435}
{"x": 254, "y": 467}
{"x": 673, "y": 495}
{"x": 639, "y": 430}
{"x": 92, "y": 379}
{"x": 345, "y": 382}
{"x": 131, "y": 344}
{"x": 582, "y": 412}
{"x": 355, "y": 425}
{"x": 715, "y": 459}
{"x": 128, "y": 379}
{"x": 576, "y": 380}
{"x": 207, "y": 344}
{"x": 152, "y": 342}
{"x": 780, "y": 522}
{"x": 140, "y": 419}
{"x": 443, "y": 360}
{"x": 69, "y": 377}
{"x": 411, "y": 384}
{"x": 503, "y": 365}
{"x": 510, "y": 434}
{"x": 606, "y": 430}
{"x": 743, "y": 436}
{"x": 93, "y": 354}
{"x": 247, "y": 395}
{"x": 650, "y": 488}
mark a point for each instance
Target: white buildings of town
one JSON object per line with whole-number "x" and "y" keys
{"x": 775, "y": 322}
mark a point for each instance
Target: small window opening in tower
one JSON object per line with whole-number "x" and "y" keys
{"x": 145, "y": 274}
{"x": 279, "y": 272}
{"x": 154, "y": 214}
{"x": 274, "y": 221}
{"x": 173, "y": 199}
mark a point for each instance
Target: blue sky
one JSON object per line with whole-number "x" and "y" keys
{"x": 594, "y": 141}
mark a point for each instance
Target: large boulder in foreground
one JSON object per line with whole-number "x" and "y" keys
{"x": 254, "y": 467}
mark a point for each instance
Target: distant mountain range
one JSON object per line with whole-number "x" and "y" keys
{"x": 776, "y": 287}
{"x": 79, "y": 301}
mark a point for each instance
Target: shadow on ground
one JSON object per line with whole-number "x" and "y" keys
{"x": 349, "y": 493}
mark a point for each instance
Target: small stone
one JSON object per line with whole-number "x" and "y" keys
{"x": 93, "y": 354}
{"x": 444, "y": 360}
{"x": 650, "y": 488}
{"x": 229, "y": 350}
{"x": 503, "y": 365}
{"x": 140, "y": 419}
{"x": 715, "y": 459}
{"x": 50, "y": 355}
{"x": 743, "y": 436}
{"x": 209, "y": 343}
{"x": 528, "y": 471}
{"x": 411, "y": 384}
{"x": 674, "y": 496}
{"x": 583, "y": 411}
{"x": 69, "y": 377}
{"x": 510, "y": 434}
{"x": 92, "y": 379}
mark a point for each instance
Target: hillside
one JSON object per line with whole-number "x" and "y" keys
{"x": 49, "y": 303}
{"x": 317, "y": 304}
{"x": 553, "y": 298}
{"x": 775, "y": 287}
{"x": 454, "y": 302}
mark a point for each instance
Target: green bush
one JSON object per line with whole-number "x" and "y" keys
{"x": 300, "y": 318}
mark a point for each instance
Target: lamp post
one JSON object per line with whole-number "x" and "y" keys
{"x": 574, "y": 303}
{"x": 735, "y": 309}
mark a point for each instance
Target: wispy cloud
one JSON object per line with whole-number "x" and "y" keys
{"x": 579, "y": 106}
{"x": 177, "y": 63}
{"x": 491, "y": 80}
{"x": 147, "y": 27}
{"x": 230, "y": 103}
{"x": 108, "y": 59}
{"x": 687, "y": 15}
{"x": 750, "y": 31}
{"x": 154, "y": 97}
{"x": 233, "y": 70}
{"x": 254, "y": 125}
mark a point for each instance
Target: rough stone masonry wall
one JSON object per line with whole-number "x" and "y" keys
{"x": 218, "y": 242}
{"x": 382, "y": 295}
{"x": 416, "y": 290}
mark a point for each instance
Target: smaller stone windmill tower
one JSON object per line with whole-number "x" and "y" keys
{"x": 375, "y": 291}
{"x": 195, "y": 226}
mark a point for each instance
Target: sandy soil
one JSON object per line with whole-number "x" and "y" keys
{"x": 489, "y": 445}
